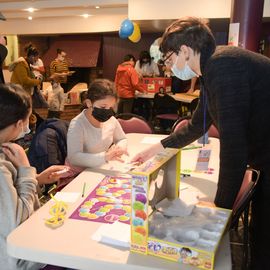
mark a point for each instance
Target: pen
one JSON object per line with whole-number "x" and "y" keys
{"x": 191, "y": 147}
{"x": 83, "y": 191}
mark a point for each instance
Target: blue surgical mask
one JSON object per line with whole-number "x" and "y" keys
{"x": 183, "y": 74}
{"x": 23, "y": 132}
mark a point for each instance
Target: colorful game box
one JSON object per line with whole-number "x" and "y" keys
{"x": 192, "y": 239}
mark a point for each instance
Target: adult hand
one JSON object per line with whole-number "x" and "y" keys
{"x": 115, "y": 153}
{"x": 51, "y": 174}
{"x": 206, "y": 204}
{"x": 147, "y": 153}
{"x": 15, "y": 154}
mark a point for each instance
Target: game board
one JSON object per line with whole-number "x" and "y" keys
{"x": 108, "y": 202}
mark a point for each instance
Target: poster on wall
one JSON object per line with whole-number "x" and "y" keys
{"x": 233, "y": 34}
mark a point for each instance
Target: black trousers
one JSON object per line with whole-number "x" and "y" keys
{"x": 125, "y": 105}
{"x": 260, "y": 224}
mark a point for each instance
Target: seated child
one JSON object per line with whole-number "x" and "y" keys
{"x": 18, "y": 180}
{"x": 95, "y": 136}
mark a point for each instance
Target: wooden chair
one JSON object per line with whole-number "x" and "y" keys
{"x": 132, "y": 123}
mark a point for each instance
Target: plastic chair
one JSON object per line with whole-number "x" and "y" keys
{"x": 241, "y": 209}
{"x": 132, "y": 123}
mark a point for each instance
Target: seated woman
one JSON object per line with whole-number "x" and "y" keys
{"x": 18, "y": 180}
{"x": 95, "y": 136}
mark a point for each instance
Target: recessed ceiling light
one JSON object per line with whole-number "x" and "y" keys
{"x": 30, "y": 18}
{"x": 97, "y": 6}
{"x": 31, "y": 10}
{"x": 86, "y": 15}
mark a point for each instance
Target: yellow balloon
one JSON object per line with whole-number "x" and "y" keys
{"x": 136, "y": 34}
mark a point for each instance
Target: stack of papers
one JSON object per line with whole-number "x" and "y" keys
{"x": 117, "y": 234}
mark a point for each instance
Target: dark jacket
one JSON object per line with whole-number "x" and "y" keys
{"x": 236, "y": 85}
{"x": 49, "y": 144}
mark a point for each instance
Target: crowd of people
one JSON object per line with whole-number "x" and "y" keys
{"x": 234, "y": 97}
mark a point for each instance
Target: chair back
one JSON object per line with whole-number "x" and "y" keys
{"x": 213, "y": 132}
{"x": 245, "y": 194}
{"x": 180, "y": 123}
{"x": 132, "y": 123}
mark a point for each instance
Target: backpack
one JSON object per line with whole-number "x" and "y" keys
{"x": 49, "y": 144}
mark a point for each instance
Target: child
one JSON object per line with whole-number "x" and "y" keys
{"x": 95, "y": 136}
{"x": 55, "y": 97}
{"x": 18, "y": 180}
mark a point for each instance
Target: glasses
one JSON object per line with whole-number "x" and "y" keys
{"x": 167, "y": 60}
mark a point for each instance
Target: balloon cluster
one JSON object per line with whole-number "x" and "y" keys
{"x": 130, "y": 30}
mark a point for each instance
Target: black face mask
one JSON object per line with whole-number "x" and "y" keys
{"x": 101, "y": 114}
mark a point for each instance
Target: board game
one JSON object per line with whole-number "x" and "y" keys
{"x": 108, "y": 202}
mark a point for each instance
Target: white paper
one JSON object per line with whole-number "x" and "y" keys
{"x": 150, "y": 140}
{"x": 117, "y": 234}
{"x": 67, "y": 196}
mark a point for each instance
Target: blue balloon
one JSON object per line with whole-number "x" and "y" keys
{"x": 126, "y": 28}
{"x": 121, "y": 35}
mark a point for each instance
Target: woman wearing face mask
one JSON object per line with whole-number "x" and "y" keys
{"x": 95, "y": 136}
{"x": 235, "y": 97}
{"x": 18, "y": 180}
{"x": 21, "y": 71}
{"x": 145, "y": 66}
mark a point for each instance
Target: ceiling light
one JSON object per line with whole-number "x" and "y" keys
{"x": 31, "y": 10}
{"x": 30, "y": 18}
{"x": 86, "y": 15}
{"x": 97, "y": 6}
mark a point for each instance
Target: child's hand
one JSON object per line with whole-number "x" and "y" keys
{"x": 115, "y": 153}
{"x": 51, "y": 174}
{"x": 15, "y": 154}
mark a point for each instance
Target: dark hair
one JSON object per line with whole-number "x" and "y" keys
{"x": 145, "y": 55}
{"x": 129, "y": 57}
{"x": 15, "y": 104}
{"x": 31, "y": 50}
{"x": 59, "y": 51}
{"x": 100, "y": 89}
{"x": 190, "y": 31}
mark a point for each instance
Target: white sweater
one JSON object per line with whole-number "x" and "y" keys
{"x": 87, "y": 144}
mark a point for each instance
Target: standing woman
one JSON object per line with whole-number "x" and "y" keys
{"x": 18, "y": 180}
{"x": 145, "y": 66}
{"x": 21, "y": 71}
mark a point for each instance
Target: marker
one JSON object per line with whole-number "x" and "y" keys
{"x": 83, "y": 191}
{"x": 191, "y": 147}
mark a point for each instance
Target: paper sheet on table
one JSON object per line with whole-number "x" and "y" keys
{"x": 67, "y": 196}
{"x": 150, "y": 140}
{"x": 114, "y": 234}
{"x": 116, "y": 166}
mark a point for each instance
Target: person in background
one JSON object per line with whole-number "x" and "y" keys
{"x": 235, "y": 97}
{"x": 127, "y": 82}
{"x": 145, "y": 66}
{"x": 59, "y": 66}
{"x": 55, "y": 97}
{"x": 95, "y": 136}
{"x": 18, "y": 180}
{"x": 38, "y": 69}
{"x": 3, "y": 55}
{"x": 21, "y": 71}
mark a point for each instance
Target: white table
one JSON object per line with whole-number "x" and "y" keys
{"x": 182, "y": 97}
{"x": 71, "y": 245}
